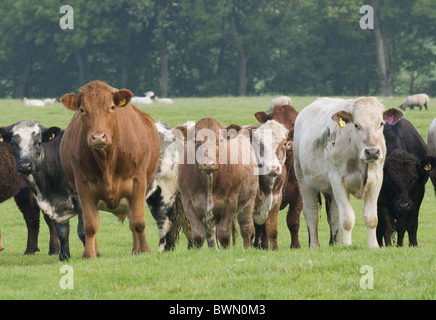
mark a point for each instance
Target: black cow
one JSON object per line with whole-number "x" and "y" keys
{"x": 13, "y": 184}
{"x": 406, "y": 171}
{"x": 36, "y": 152}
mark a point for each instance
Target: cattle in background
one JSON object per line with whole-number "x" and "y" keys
{"x": 218, "y": 184}
{"x": 36, "y": 152}
{"x": 406, "y": 172}
{"x": 431, "y": 149}
{"x": 291, "y": 195}
{"x": 339, "y": 149}
{"x": 163, "y": 196}
{"x": 13, "y": 184}
{"x": 270, "y": 142}
{"x": 109, "y": 152}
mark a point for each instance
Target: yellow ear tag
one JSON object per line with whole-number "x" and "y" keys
{"x": 342, "y": 123}
{"x": 1, "y": 138}
{"x": 52, "y": 136}
{"x": 122, "y": 102}
{"x": 427, "y": 167}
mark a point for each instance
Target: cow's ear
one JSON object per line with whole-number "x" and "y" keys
{"x": 122, "y": 97}
{"x": 5, "y": 136}
{"x": 262, "y": 116}
{"x": 71, "y": 101}
{"x": 180, "y": 132}
{"x": 428, "y": 163}
{"x": 50, "y": 133}
{"x": 342, "y": 118}
{"x": 392, "y": 116}
{"x": 233, "y": 130}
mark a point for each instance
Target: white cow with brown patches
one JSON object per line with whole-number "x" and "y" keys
{"x": 339, "y": 149}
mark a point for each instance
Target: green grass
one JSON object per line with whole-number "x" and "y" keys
{"x": 325, "y": 273}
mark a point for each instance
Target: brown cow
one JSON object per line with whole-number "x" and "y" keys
{"x": 216, "y": 188}
{"x": 286, "y": 115}
{"x": 109, "y": 152}
{"x": 271, "y": 143}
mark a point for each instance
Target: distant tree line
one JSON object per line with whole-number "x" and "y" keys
{"x": 219, "y": 47}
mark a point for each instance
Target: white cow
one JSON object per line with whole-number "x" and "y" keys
{"x": 33, "y": 102}
{"x": 339, "y": 148}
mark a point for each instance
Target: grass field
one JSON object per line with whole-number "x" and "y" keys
{"x": 325, "y": 273}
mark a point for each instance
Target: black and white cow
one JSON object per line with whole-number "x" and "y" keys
{"x": 163, "y": 195}
{"x": 36, "y": 152}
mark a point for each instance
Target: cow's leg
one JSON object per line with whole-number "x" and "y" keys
{"x": 197, "y": 227}
{"x": 54, "y": 247}
{"x": 271, "y": 226}
{"x": 91, "y": 222}
{"x": 370, "y": 213}
{"x": 293, "y": 217}
{"x": 401, "y": 230}
{"x": 136, "y": 216}
{"x": 225, "y": 228}
{"x": 412, "y": 231}
{"x": 63, "y": 230}
{"x": 246, "y": 224}
{"x": 210, "y": 227}
{"x": 346, "y": 212}
{"x": 24, "y": 200}
{"x": 381, "y": 226}
{"x": 80, "y": 228}
{"x": 310, "y": 211}
{"x": 333, "y": 219}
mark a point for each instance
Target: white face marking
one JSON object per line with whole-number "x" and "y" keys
{"x": 269, "y": 136}
{"x": 25, "y": 134}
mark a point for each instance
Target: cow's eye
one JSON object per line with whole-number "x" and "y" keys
{"x": 113, "y": 107}
{"x": 81, "y": 110}
{"x": 382, "y": 124}
{"x": 357, "y": 126}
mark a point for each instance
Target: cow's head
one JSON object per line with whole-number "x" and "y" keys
{"x": 26, "y": 138}
{"x": 208, "y": 138}
{"x": 97, "y": 103}
{"x": 271, "y": 141}
{"x": 284, "y": 114}
{"x": 365, "y": 122}
{"x": 404, "y": 179}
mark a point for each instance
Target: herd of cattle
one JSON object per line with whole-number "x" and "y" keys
{"x": 200, "y": 178}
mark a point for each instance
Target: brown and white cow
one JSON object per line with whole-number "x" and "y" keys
{"x": 291, "y": 195}
{"x": 340, "y": 149}
{"x": 217, "y": 184}
{"x": 270, "y": 142}
{"x": 109, "y": 152}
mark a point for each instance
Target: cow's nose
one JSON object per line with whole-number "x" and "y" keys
{"x": 24, "y": 166}
{"x": 403, "y": 205}
{"x": 209, "y": 166}
{"x": 372, "y": 153}
{"x": 99, "y": 137}
{"x": 273, "y": 170}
